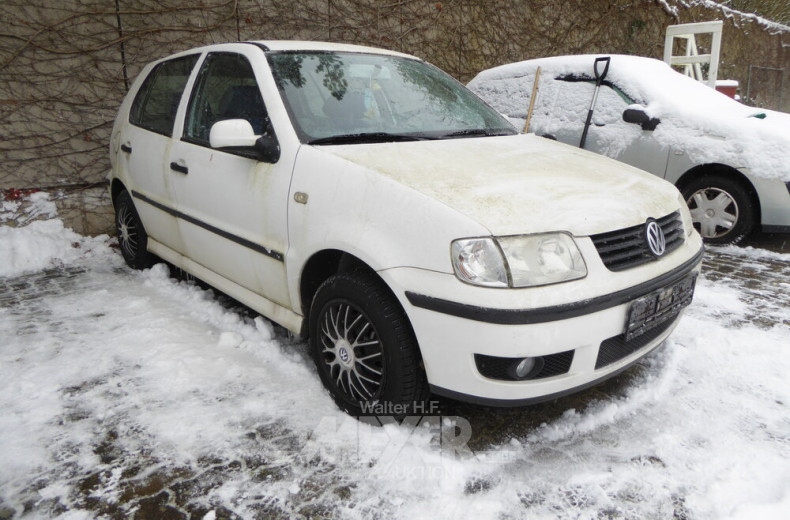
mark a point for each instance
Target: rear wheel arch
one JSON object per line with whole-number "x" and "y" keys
{"x": 116, "y": 187}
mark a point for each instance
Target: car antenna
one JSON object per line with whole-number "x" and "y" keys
{"x": 599, "y": 77}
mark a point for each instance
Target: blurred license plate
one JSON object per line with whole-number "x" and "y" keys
{"x": 659, "y": 306}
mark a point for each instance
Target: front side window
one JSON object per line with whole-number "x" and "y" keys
{"x": 336, "y": 95}
{"x": 225, "y": 89}
{"x": 155, "y": 106}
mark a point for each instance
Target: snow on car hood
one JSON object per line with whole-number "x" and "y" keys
{"x": 522, "y": 183}
{"x": 709, "y": 126}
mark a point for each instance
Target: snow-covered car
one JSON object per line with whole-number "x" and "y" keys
{"x": 368, "y": 201}
{"x": 730, "y": 161}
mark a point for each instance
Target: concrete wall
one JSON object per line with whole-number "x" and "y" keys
{"x": 65, "y": 66}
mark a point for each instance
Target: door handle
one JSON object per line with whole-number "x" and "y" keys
{"x": 179, "y": 167}
{"x": 126, "y": 148}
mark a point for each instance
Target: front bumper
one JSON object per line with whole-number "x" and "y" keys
{"x": 581, "y": 333}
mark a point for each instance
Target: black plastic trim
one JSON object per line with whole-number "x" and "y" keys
{"x": 208, "y": 227}
{"x": 247, "y": 153}
{"x": 776, "y": 229}
{"x": 556, "y": 312}
{"x": 261, "y": 46}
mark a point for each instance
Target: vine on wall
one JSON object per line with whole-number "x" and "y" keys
{"x": 65, "y": 67}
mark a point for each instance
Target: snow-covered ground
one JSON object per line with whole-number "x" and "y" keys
{"x": 128, "y": 394}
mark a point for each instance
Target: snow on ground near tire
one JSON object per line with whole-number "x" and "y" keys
{"x": 130, "y": 393}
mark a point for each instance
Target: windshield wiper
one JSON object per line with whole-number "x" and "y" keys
{"x": 476, "y": 132}
{"x": 369, "y": 137}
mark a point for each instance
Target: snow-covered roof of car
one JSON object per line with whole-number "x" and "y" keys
{"x": 645, "y": 80}
{"x": 707, "y": 124}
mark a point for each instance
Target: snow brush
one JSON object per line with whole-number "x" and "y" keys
{"x": 599, "y": 77}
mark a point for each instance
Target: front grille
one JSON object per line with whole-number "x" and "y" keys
{"x": 627, "y": 248}
{"x": 494, "y": 367}
{"x": 616, "y": 348}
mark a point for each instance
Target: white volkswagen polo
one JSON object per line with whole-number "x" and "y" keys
{"x": 368, "y": 201}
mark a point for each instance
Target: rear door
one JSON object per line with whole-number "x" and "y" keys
{"x": 146, "y": 142}
{"x": 233, "y": 206}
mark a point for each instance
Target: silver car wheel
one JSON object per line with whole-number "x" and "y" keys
{"x": 127, "y": 231}
{"x": 352, "y": 351}
{"x": 714, "y": 211}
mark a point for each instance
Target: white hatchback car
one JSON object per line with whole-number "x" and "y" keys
{"x": 730, "y": 161}
{"x": 365, "y": 199}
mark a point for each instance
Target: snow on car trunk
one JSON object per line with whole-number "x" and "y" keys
{"x": 126, "y": 393}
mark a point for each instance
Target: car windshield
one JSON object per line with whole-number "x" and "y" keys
{"x": 337, "y": 97}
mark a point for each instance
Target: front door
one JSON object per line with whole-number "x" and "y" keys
{"x": 233, "y": 206}
{"x": 568, "y": 101}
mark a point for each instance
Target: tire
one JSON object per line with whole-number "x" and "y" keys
{"x": 132, "y": 237}
{"x": 721, "y": 209}
{"x": 364, "y": 348}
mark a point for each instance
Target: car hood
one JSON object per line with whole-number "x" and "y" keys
{"x": 522, "y": 183}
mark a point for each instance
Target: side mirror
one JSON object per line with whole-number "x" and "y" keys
{"x": 237, "y": 134}
{"x": 232, "y": 133}
{"x": 639, "y": 117}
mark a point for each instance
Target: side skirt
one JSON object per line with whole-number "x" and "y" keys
{"x": 275, "y": 312}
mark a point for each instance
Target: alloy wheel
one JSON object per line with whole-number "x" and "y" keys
{"x": 351, "y": 351}
{"x": 127, "y": 231}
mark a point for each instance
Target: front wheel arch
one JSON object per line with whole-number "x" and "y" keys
{"x": 318, "y": 268}
{"x": 719, "y": 178}
{"x": 724, "y": 171}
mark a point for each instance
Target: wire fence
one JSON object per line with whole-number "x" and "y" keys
{"x": 65, "y": 66}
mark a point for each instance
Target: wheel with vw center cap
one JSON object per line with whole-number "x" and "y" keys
{"x": 364, "y": 348}
{"x": 721, "y": 209}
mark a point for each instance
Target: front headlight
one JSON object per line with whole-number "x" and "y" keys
{"x": 518, "y": 261}
{"x": 479, "y": 261}
{"x": 685, "y": 215}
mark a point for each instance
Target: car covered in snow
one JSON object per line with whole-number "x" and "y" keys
{"x": 730, "y": 161}
{"x": 366, "y": 200}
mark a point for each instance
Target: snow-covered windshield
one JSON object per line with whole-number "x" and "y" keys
{"x": 336, "y": 97}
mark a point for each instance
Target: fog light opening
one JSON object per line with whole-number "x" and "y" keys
{"x": 525, "y": 368}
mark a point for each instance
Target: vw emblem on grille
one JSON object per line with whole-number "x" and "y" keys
{"x": 655, "y": 238}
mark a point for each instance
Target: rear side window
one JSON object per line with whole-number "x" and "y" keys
{"x": 155, "y": 106}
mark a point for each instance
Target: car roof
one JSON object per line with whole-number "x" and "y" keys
{"x": 291, "y": 45}
{"x": 570, "y": 64}
{"x": 303, "y": 45}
